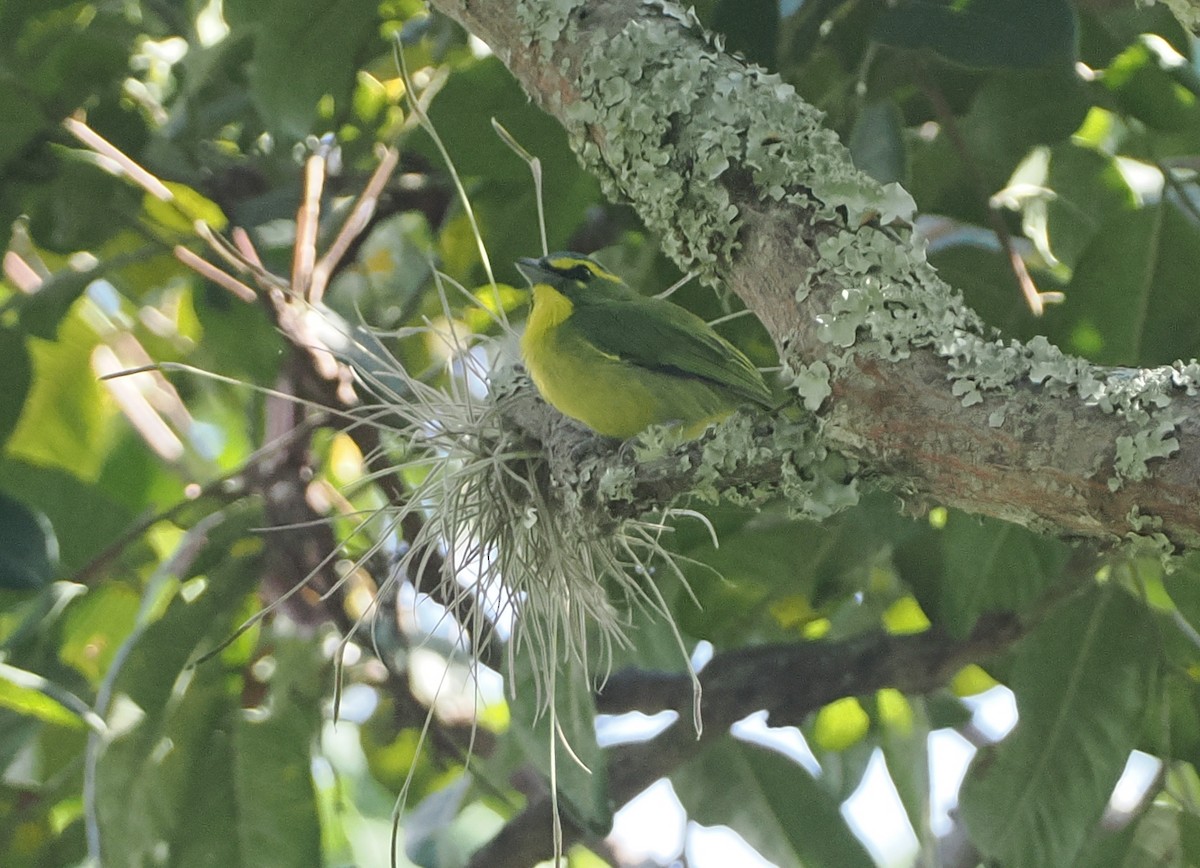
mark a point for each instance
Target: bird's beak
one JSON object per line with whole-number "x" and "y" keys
{"x": 533, "y": 270}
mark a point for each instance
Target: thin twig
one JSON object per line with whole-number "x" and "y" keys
{"x": 360, "y": 217}
{"x": 308, "y": 219}
{"x": 210, "y": 272}
{"x": 122, "y": 162}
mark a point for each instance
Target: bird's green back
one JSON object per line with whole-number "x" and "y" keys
{"x": 656, "y": 334}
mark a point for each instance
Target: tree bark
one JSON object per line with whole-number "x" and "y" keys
{"x": 746, "y": 188}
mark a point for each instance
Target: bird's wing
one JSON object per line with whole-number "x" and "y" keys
{"x": 655, "y": 334}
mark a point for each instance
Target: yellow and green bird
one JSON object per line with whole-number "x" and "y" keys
{"x": 618, "y": 361}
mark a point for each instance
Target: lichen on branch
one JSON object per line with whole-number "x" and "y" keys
{"x": 745, "y": 187}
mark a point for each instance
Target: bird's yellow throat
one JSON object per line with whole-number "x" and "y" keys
{"x": 550, "y": 308}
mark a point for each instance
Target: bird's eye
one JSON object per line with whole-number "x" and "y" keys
{"x": 576, "y": 268}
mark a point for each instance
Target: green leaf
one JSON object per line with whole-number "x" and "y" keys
{"x": 583, "y": 792}
{"x": 984, "y": 34}
{"x": 83, "y": 205}
{"x": 66, "y": 414}
{"x": 770, "y": 560}
{"x": 40, "y": 313}
{"x": 1150, "y": 81}
{"x": 1131, "y": 299}
{"x": 28, "y": 547}
{"x": 305, "y": 50}
{"x": 1014, "y": 111}
{"x": 392, "y": 267}
{"x": 1082, "y": 189}
{"x": 750, "y": 27}
{"x": 176, "y": 768}
{"x": 772, "y": 802}
{"x": 178, "y": 216}
{"x": 973, "y": 566}
{"x": 16, "y": 378}
{"x": 56, "y": 56}
{"x": 277, "y": 816}
{"x": 1166, "y": 834}
{"x": 26, "y": 693}
{"x": 93, "y": 628}
{"x": 793, "y": 569}
{"x": 21, "y": 118}
{"x": 88, "y": 518}
{"x": 1183, "y": 586}
{"x": 1081, "y": 681}
{"x": 1163, "y": 837}
{"x": 993, "y": 565}
{"x": 504, "y": 195}
{"x": 1106, "y": 33}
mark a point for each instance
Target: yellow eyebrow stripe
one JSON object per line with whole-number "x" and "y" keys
{"x": 566, "y": 264}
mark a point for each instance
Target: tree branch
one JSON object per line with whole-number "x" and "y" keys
{"x": 745, "y": 187}
{"x": 790, "y": 681}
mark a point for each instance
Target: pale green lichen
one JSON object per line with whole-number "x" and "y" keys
{"x": 1147, "y": 539}
{"x": 746, "y": 113}
{"x": 616, "y": 483}
{"x": 546, "y": 20}
{"x": 814, "y": 481}
{"x": 810, "y": 382}
{"x": 672, "y": 126}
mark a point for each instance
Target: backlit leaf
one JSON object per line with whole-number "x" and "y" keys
{"x": 1081, "y": 681}
{"x": 772, "y": 802}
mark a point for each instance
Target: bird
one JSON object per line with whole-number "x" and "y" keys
{"x": 618, "y": 361}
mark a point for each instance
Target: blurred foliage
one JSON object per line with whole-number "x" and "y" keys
{"x": 139, "y": 717}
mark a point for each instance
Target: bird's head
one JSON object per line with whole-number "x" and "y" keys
{"x": 569, "y": 273}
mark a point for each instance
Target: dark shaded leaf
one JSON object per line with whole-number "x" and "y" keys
{"x": 772, "y": 802}
{"x": 28, "y": 547}
{"x": 233, "y": 789}
{"x": 93, "y": 518}
{"x": 504, "y": 197}
{"x": 973, "y": 566}
{"x": 22, "y": 118}
{"x": 1081, "y": 681}
{"x": 1132, "y": 299}
{"x": 277, "y": 821}
{"x": 41, "y": 312}
{"x": 305, "y": 50}
{"x": 1157, "y": 89}
{"x": 16, "y": 377}
{"x": 984, "y": 34}
{"x": 1014, "y": 111}
{"x": 750, "y": 27}
{"x": 54, "y": 59}
{"x": 793, "y": 570}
